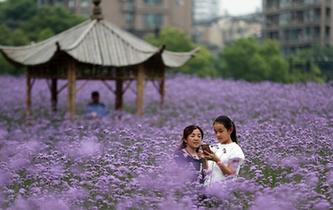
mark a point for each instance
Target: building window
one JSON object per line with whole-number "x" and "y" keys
{"x": 328, "y": 13}
{"x": 153, "y": 20}
{"x": 285, "y": 19}
{"x": 310, "y": 1}
{"x": 128, "y": 6}
{"x": 327, "y": 31}
{"x": 129, "y": 18}
{"x": 71, "y": 4}
{"x": 180, "y": 2}
{"x": 272, "y": 4}
{"x": 85, "y": 4}
{"x": 285, "y": 3}
{"x": 316, "y": 32}
{"x": 273, "y": 35}
{"x": 153, "y": 2}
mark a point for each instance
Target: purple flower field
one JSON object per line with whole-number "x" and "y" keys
{"x": 49, "y": 162}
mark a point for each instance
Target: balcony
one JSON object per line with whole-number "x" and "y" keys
{"x": 128, "y": 7}
{"x": 275, "y": 9}
{"x": 272, "y": 27}
{"x": 301, "y": 40}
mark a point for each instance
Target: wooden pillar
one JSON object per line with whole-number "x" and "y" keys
{"x": 119, "y": 94}
{"x": 162, "y": 88}
{"x": 140, "y": 88}
{"x": 54, "y": 94}
{"x": 71, "y": 77}
{"x": 28, "y": 93}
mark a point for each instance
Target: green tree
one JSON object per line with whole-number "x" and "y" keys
{"x": 48, "y": 21}
{"x": 22, "y": 22}
{"x": 304, "y": 65}
{"x": 11, "y": 38}
{"x": 277, "y": 65}
{"x": 174, "y": 40}
{"x": 14, "y": 13}
{"x": 202, "y": 64}
{"x": 45, "y": 34}
{"x": 323, "y": 58}
{"x": 251, "y": 60}
{"x": 8, "y": 68}
{"x": 5, "y": 32}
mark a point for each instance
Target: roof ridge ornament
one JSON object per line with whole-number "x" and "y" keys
{"x": 97, "y": 11}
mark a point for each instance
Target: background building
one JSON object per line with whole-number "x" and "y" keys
{"x": 143, "y": 16}
{"x": 80, "y": 7}
{"x": 138, "y": 16}
{"x": 226, "y": 29}
{"x": 205, "y": 10}
{"x": 298, "y": 23}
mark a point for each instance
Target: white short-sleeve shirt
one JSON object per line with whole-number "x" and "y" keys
{"x": 227, "y": 153}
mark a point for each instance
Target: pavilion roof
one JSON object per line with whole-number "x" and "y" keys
{"x": 96, "y": 42}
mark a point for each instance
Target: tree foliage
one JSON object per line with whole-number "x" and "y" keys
{"x": 250, "y": 60}
{"x": 49, "y": 21}
{"x": 305, "y": 64}
{"x": 22, "y": 22}
{"x": 174, "y": 40}
{"x": 15, "y": 13}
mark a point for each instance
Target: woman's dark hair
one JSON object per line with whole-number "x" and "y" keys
{"x": 187, "y": 131}
{"x": 228, "y": 124}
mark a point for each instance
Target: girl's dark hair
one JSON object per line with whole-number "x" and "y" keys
{"x": 228, "y": 124}
{"x": 187, "y": 131}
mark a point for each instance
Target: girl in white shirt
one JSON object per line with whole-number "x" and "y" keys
{"x": 226, "y": 158}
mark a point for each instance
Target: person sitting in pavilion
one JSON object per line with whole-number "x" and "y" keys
{"x": 95, "y": 109}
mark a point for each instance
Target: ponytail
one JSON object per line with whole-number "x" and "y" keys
{"x": 233, "y": 133}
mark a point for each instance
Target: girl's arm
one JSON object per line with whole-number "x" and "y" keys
{"x": 226, "y": 169}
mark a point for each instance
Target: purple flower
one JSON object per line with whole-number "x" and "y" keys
{"x": 89, "y": 147}
{"x": 270, "y": 202}
{"x": 322, "y": 205}
{"x": 48, "y": 161}
{"x": 329, "y": 177}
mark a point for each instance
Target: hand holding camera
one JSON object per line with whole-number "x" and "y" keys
{"x": 208, "y": 153}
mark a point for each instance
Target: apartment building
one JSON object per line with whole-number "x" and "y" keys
{"x": 80, "y": 7}
{"x": 298, "y": 23}
{"x": 227, "y": 29}
{"x": 144, "y": 16}
{"x": 137, "y": 16}
{"x": 205, "y": 10}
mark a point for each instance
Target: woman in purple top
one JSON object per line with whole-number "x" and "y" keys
{"x": 189, "y": 156}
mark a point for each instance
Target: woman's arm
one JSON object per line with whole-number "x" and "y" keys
{"x": 204, "y": 160}
{"x": 204, "y": 164}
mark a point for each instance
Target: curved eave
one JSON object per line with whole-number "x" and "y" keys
{"x": 41, "y": 52}
{"x": 132, "y": 57}
{"x": 29, "y": 59}
{"x": 177, "y": 59}
{"x": 13, "y": 62}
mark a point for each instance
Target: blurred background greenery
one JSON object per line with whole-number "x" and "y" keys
{"x": 251, "y": 59}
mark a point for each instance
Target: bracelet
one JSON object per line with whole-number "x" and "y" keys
{"x": 219, "y": 162}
